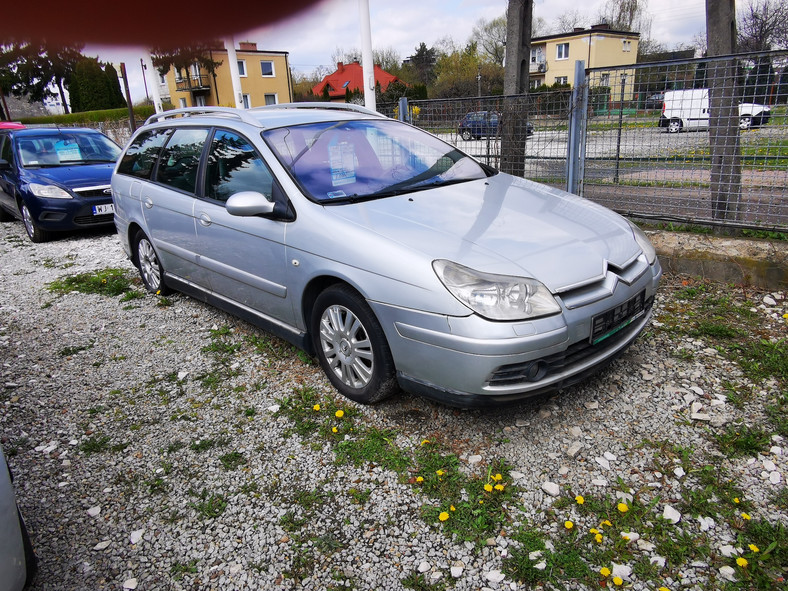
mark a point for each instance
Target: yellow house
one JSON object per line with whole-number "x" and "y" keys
{"x": 553, "y": 57}
{"x": 265, "y": 80}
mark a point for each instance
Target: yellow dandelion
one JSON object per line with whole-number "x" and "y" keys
{"x": 754, "y": 548}
{"x": 742, "y": 562}
{"x": 481, "y": 502}
{"x": 499, "y": 487}
{"x": 622, "y": 507}
{"x": 316, "y": 407}
{"x": 425, "y": 441}
{"x": 440, "y": 472}
{"x": 419, "y": 479}
{"x": 333, "y": 429}
{"x": 618, "y": 581}
{"x": 593, "y": 530}
{"x": 736, "y": 500}
{"x": 579, "y": 500}
{"x": 607, "y": 523}
{"x": 451, "y": 508}
{"x": 663, "y": 589}
{"x": 443, "y": 516}
{"x": 488, "y": 487}
{"x": 339, "y": 414}
{"x": 746, "y": 516}
{"x": 604, "y": 571}
{"x": 497, "y": 477}
{"x": 568, "y": 524}
{"x": 598, "y": 538}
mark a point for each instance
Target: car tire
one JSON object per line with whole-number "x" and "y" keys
{"x": 147, "y": 261}
{"x": 31, "y": 560}
{"x": 351, "y": 346}
{"x": 34, "y": 232}
{"x": 466, "y": 134}
{"x": 674, "y": 126}
{"x": 745, "y": 122}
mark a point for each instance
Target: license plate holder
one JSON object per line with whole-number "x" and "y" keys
{"x": 608, "y": 323}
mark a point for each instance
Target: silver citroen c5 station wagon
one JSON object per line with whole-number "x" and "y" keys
{"x": 395, "y": 258}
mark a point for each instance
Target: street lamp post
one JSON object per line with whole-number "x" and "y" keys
{"x": 144, "y": 79}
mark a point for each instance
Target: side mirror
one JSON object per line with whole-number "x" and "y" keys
{"x": 249, "y": 203}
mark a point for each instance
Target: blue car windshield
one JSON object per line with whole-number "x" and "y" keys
{"x": 347, "y": 161}
{"x": 62, "y": 148}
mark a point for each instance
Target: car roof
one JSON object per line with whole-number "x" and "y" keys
{"x": 44, "y": 131}
{"x": 267, "y": 117}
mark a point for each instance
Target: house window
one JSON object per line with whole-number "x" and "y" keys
{"x": 267, "y": 69}
{"x": 182, "y": 103}
{"x": 200, "y": 101}
{"x": 162, "y": 79}
{"x": 626, "y": 45}
{"x": 242, "y": 68}
{"x": 562, "y": 51}
{"x": 534, "y": 56}
{"x": 561, "y": 80}
{"x": 247, "y": 101}
{"x": 270, "y": 99}
{"x": 195, "y": 70}
{"x": 605, "y": 79}
{"x": 534, "y": 84}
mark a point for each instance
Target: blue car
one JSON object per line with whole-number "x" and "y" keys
{"x": 479, "y": 124}
{"x": 56, "y": 179}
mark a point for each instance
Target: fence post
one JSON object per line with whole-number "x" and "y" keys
{"x": 620, "y": 125}
{"x": 404, "y": 114}
{"x": 578, "y": 111}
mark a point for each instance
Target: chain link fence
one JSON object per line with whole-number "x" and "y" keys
{"x": 689, "y": 141}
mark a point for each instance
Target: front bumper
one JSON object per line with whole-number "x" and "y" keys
{"x": 471, "y": 361}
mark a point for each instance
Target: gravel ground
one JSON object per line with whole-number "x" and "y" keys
{"x": 134, "y": 378}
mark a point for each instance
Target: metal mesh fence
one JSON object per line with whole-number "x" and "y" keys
{"x": 692, "y": 141}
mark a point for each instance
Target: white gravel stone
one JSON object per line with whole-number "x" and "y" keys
{"x": 551, "y": 488}
{"x": 671, "y": 514}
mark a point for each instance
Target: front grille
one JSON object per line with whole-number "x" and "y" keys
{"x": 536, "y": 370}
{"x": 94, "y": 220}
{"x": 98, "y": 191}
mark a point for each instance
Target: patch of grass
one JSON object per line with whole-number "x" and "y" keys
{"x": 359, "y": 497}
{"x": 290, "y": 522}
{"x": 205, "y": 444}
{"x": 375, "y": 446}
{"x": 764, "y": 359}
{"x": 178, "y": 569}
{"x": 73, "y": 350}
{"x": 108, "y": 282}
{"x": 95, "y": 444}
{"x": 743, "y": 440}
{"x": 209, "y": 505}
{"x": 232, "y": 460}
{"x": 419, "y": 582}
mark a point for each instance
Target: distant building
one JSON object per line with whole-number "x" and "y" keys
{"x": 350, "y": 77}
{"x": 265, "y": 80}
{"x": 553, "y": 57}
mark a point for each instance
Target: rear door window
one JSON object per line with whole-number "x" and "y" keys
{"x": 142, "y": 153}
{"x": 180, "y": 159}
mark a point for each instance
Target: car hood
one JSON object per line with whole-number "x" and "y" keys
{"x": 72, "y": 177}
{"x": 504, "y": 225}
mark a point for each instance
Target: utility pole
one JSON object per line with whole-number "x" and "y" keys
{"x": 723, "y": 111}
{"x": 515, "y": 83}
{"x": 132, "y": 122}
{"x": 143, "y": 67}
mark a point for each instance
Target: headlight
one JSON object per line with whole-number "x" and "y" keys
{"x": 49, "y": 191}
{"x": 497, "y": 297}
{"x": 644, "y": 243}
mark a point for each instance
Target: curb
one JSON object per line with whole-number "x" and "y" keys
{"x": 740, "y": 261}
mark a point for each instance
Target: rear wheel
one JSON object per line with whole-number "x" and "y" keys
{"x": 466, "y": 134}
{"x": 148, "y": 263}
{"x": 351, "y": 346}
{"x": 674, "y": 126}
{"x": 35, "y": 233}
{"x": 745, "y": 122}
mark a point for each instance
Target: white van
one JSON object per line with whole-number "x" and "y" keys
{"x": 689, "y": 109}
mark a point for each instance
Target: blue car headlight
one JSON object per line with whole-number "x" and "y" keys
{"x": 49, "y": 191}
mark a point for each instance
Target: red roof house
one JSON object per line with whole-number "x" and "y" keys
{"x": 351, "y": 76}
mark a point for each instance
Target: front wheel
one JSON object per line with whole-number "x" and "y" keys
{"x": 148, "y": 263}
{"x": 351, "y": 346}
{"x": 745, "y": 122}
{"x": 35, "y": 233}
{"x": 674, "y": 126}
{"x": 466, "y": 134}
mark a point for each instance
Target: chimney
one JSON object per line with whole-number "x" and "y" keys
{"x": 248, "y": 46}
{"x": 578, "y": 29}
{"x": 601, "y": 27}
{"x": 340, "y": 67}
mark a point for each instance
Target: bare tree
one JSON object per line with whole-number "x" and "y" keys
{"x": 387, "y": 58}
{"x": 490, "y": 37}
{"x": 762, "y": 25}
{"x": 539, "y": 27}
{"x": 568, "y": 21}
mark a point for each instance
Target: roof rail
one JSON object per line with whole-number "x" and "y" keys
{"x": 240, "y": 114}
{"x": 321, "y": 105}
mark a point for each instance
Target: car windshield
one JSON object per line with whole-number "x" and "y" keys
{"x": 65, "y": 149}
{"x": 348, "y": 161}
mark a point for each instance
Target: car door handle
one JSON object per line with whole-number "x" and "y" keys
{"x": 205, "y": 220}
{"x": 148, "y": 202}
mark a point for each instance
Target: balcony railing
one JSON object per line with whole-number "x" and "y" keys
{"x": 192, "y": 83}
{"x": 537, "y": 67}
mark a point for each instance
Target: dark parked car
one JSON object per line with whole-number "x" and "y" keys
{"x": 17, "y": 559}
{"x": 654, "y": 101}
{"x": 56, "y": 179}
{"x": 479, "y": 124}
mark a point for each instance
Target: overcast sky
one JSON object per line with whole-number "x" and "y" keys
{"x": 312, "y": 36}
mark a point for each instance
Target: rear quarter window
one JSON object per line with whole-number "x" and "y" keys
{"x": 139, "y": 158}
